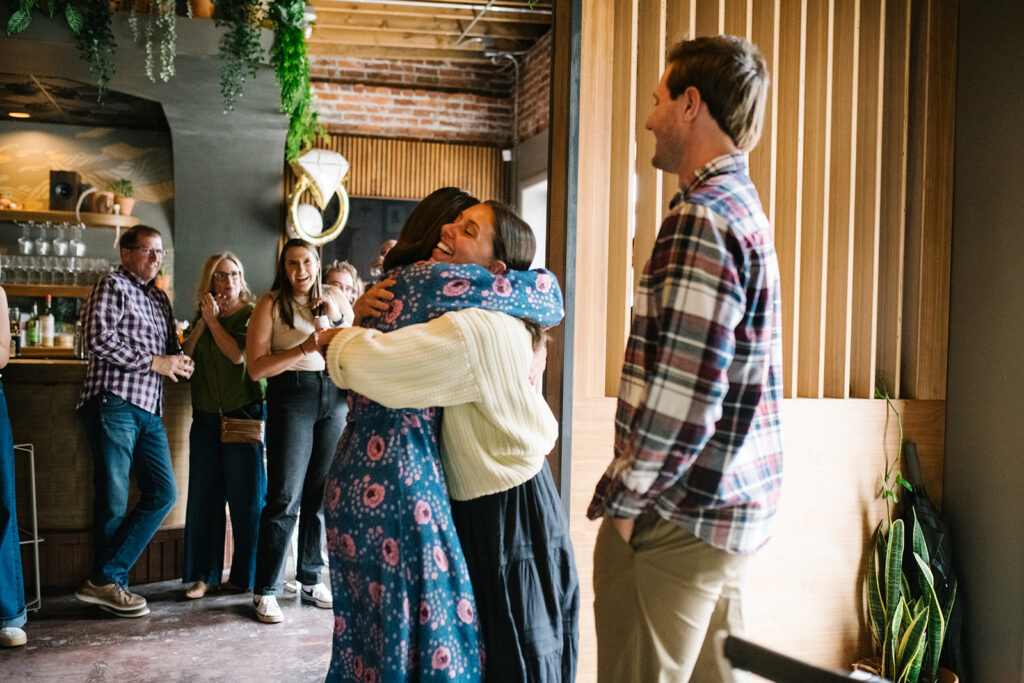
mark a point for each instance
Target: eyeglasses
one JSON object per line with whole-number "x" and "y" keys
{"x": 147, "y": 251}
{"x": 221, "y": 276}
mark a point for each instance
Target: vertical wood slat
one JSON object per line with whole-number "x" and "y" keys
{"x": 929, "y": 193}
{"x": 867, "y": 204}
{"x": 892, "y": 236}
{"x": 764, "y": 23}
{"x": 594, "y": 168}
{"x": 651, "y": 24}
{"x": 840, "y": 198}
{"x": 621, "y": 219}
{"x": 788, "y": 202}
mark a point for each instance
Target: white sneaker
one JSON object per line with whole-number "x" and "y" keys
{"x": 318, "y": 595}
{"x": 12, "y": 636}
{"x": 267, "y": 609}
{"x": 291, "y": 586}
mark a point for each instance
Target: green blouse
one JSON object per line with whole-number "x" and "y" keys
{"x": 218, "y": 385}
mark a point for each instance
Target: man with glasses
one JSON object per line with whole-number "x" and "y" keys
{"x": 128, "y": 322}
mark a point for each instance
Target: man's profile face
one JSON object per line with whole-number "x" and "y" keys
{"x": 666, "y": 122}
{"x": 145, "y": 258}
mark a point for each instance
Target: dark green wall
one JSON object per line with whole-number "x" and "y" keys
{"x": 984, "y": 467}
{"x": 227, "y": 167}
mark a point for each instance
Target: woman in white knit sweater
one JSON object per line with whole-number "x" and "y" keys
{"x": 496, "y": 432}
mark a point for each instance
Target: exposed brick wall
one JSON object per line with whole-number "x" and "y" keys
{"x": 535, "y": 89}
{"x": 414, "y": 114}
{"x": 447, "y": 76}
{"x": 441, "y": 101}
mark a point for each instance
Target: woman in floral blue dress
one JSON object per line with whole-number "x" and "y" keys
{"x": 403, "y": 601}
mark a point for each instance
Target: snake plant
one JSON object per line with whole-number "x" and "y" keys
{"x": 908, "y": 626}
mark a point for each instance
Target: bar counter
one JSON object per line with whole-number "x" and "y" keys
{"x": 41, "y": 399}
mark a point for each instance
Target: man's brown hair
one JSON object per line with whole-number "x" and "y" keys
{"x": 130, "y": 238}
{"x": 732, "y": 78}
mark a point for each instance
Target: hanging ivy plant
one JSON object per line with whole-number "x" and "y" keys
{"x": 240, "y": 49}
{"x": 95, "y": 41}
{"x": 291, "y": 65}
{"x": 160, "y": 23}
{"x": 22, "y": 17}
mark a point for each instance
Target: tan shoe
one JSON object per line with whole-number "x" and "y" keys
{"x": 113, "y": 596}
{"x": 196, "y": 590}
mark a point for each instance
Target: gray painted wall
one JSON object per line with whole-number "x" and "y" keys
{"x": 984, "y": 468}
{"x": 227, "y": 167}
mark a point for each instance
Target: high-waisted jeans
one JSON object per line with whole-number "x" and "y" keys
{"x": 12, "y": 588}
{"x": 218, "y": 473}
{"x": 305, "y": 418}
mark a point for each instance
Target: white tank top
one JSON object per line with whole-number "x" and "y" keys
{"x": 284, "y": 337}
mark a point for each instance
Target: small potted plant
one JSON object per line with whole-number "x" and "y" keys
{"x": 123, "y": 190}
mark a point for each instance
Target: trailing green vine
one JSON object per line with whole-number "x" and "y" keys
{"x": 96, "y": 45}
{"x": 161, "y": 23}
{"x": 240, "y": 50}
{"x": 291, "y": 65}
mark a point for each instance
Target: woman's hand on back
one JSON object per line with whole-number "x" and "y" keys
{"x": 374, "y": 301}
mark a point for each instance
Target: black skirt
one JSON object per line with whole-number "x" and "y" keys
{"x": 523, "y": 571}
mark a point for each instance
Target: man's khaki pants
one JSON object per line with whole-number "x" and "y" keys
{"x": 658, "y": 602}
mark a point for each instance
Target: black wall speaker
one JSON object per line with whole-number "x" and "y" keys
{"x": 64, "y": 186}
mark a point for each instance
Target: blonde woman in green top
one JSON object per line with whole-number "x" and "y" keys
{"x": 222, "y": 472}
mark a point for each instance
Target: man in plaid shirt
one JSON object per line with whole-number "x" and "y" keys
{"x": 128, "y": 322}
{"x": 694, "y": 485}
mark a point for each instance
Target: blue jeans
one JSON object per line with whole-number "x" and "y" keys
{"x": 125, "y": 439}
{"x": 12, "y": 587}
{"x": 219, "y": 472}
{"x": 305, "y": 418}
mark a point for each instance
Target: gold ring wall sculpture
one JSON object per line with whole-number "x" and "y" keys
{"x": 321, "y": 172}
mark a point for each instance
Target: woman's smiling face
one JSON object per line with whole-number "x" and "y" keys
{"x": 301, "y": 266}
{"x": 469, "y": 239}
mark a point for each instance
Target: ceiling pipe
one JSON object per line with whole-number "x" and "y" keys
{"x": 465, "y": 32}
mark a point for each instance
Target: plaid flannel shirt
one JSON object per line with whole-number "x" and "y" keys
{"x": 125, "y": 324}
{"x": 698, "y": 433}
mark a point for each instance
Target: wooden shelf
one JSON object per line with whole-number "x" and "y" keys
{"x": 95, "y": 220}
{"x": 77, "y": 291}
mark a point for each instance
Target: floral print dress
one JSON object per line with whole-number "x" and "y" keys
{"x": 403, "y": 601}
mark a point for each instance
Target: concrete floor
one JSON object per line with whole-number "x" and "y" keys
{"x": 216, "y": 638}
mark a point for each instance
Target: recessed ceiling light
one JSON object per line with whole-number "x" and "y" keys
{"x": 19, "y": 115}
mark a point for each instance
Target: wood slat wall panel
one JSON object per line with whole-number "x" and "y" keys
{"x": 408, "y": 169}
{"x": 929, "y": 189}
{"x": 650, "y": 203}
{"x": 892, "y": 236}
{"x": 867, "y": 198}
{"x": 814, "y": 193}
{"x": 855, "y": 174}
{"x": 841, "y": 196}
{"x": 621, "y": 219}
{"x": 788, "y": 222}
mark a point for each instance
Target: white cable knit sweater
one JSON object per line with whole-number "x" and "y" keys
{"x": 497, "y": 428}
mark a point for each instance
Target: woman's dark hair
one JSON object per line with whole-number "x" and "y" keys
{"x": 422, "y": 229}
{"x": 283, "y": 286}
{"x": 514, "y": 242}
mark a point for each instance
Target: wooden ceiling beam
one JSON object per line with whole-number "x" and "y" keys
{"x": 432, "y": 25}
{"x": 332, "y": 49}
{"x": 345, "y": 37}
{"x": 428, "y": 13}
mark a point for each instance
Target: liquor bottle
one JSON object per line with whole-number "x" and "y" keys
{"x": 32, "y": 327}
{"x": 47, "y": 323}
{"x": 15, "y": 331}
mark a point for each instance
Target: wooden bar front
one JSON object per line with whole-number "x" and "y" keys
{"x": 41, "y": 399}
